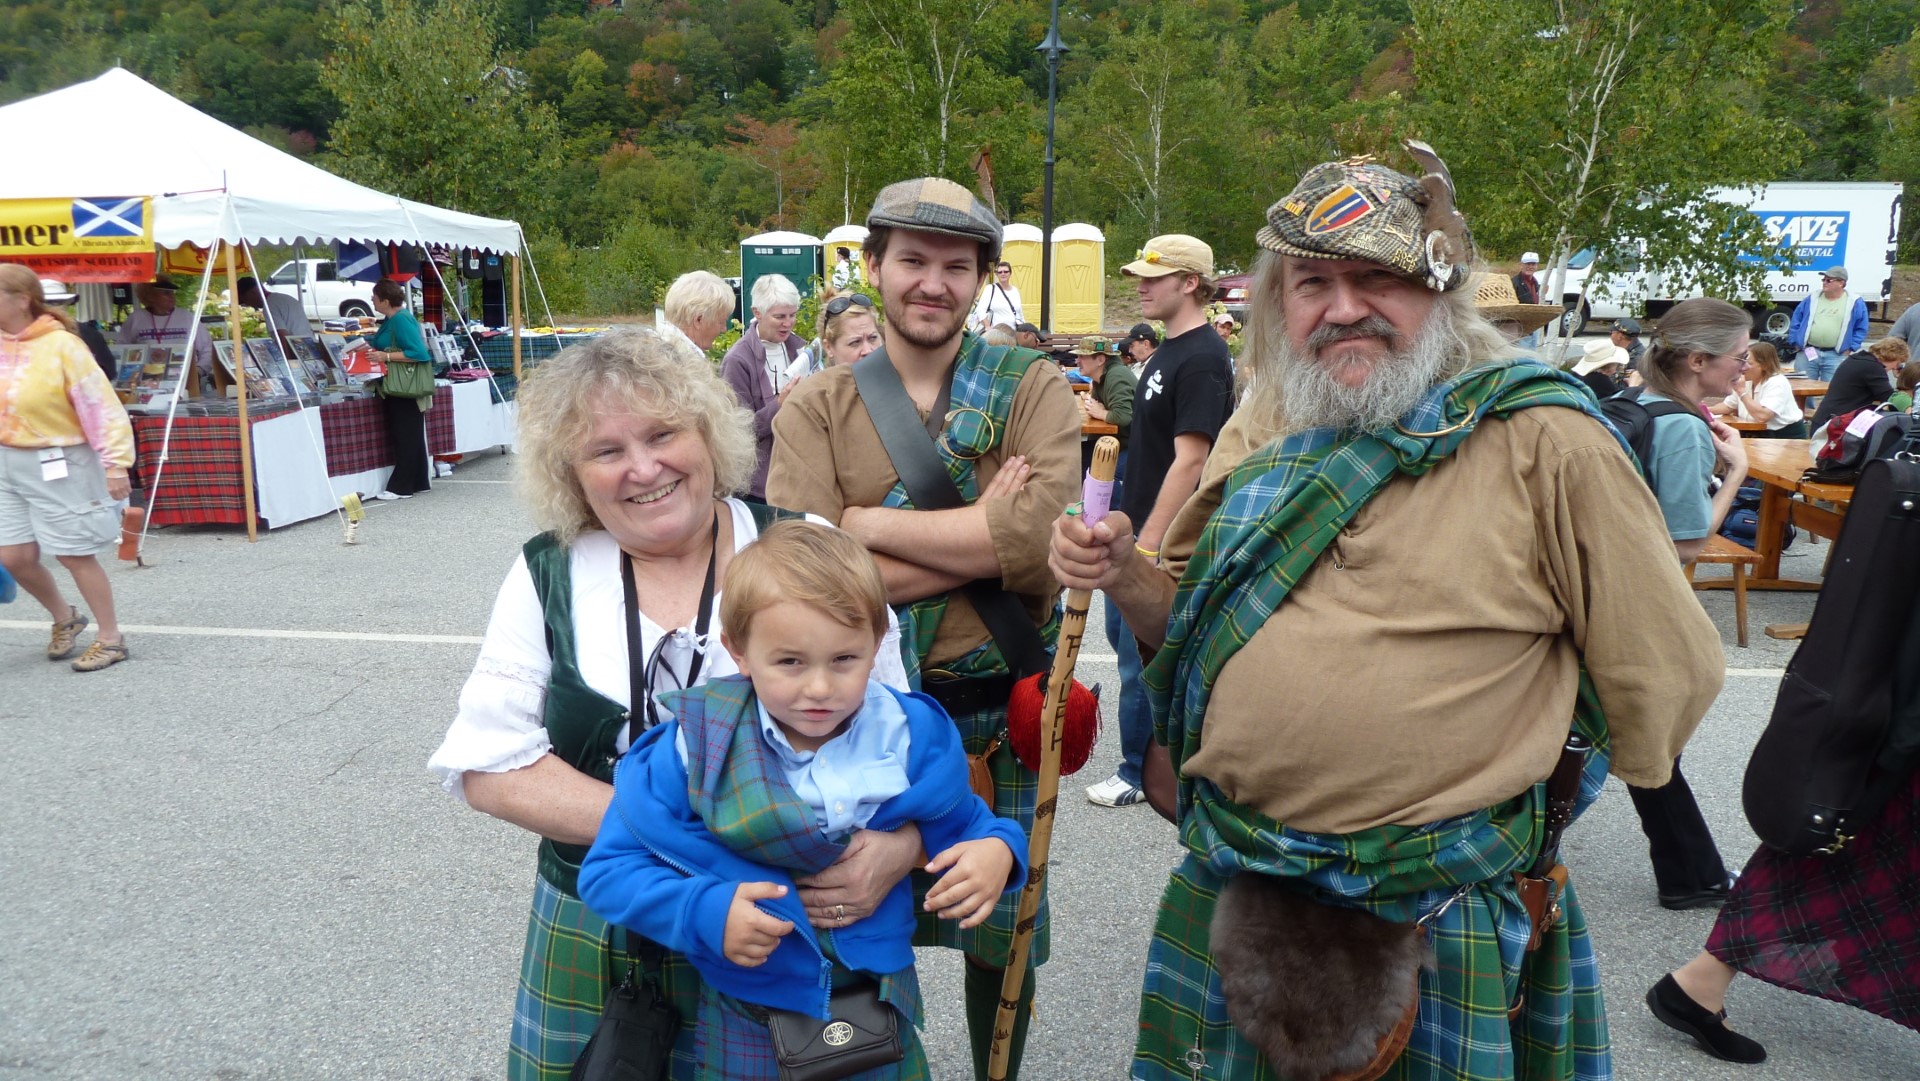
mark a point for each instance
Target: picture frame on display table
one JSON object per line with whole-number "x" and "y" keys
{"x": 157, "y": 375}
{"x": 130, "y": 358}
{"x": 258, "y": 386}
{"x": 315, "y": 362}
{"x": 270, "y": 363}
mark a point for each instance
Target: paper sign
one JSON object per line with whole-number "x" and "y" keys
{"x": 1863, "y": 423}
{"x": 53, "y": 464}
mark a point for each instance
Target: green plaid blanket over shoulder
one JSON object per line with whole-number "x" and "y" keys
{"x": 1280, "y": 510}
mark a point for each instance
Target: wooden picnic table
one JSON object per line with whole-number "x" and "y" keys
{"x": 1808, "y": 388}
{"x": 1778, "y": 464}
{"x": 1739, "y": 425}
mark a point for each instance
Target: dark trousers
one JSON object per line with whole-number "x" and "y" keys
{"x": 407, "y": 435}
{"x": 1684, "y": 857}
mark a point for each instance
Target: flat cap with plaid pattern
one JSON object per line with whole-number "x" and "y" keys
{"x": 933, "y": 204}
{"x": 1359, "y": 209}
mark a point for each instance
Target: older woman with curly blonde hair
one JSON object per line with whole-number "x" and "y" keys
{"x": 631, "y": 450}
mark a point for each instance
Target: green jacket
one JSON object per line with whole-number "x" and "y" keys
{"x": 1115, "y": 391}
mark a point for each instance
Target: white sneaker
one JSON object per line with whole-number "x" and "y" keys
{"x": 1114, "y": 792}
{"x": 388, "y": 497}
{"x": 443, "y": 469}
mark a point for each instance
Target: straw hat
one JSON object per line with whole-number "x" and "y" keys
{"x": 1493, "y": 294}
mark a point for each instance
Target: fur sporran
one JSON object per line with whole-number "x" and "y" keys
{"x": 1325, "y": 993}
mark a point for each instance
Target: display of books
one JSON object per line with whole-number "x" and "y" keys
{"x": 151, "y": 372}
{"x": 258, "y": 385}
{"x": 267, "y": 357}
{"x": 316, "y": 363}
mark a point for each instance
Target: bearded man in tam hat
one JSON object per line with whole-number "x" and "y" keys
{"x": 1403, "y": 635}
{"x": 998, "y": 429}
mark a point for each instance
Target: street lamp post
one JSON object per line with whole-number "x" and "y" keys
{"x": 1053, "y": 47}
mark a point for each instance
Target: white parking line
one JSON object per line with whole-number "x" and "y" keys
{"x": 474, "y": 639}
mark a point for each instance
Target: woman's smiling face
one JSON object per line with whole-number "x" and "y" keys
{"x": 649, "y": 482}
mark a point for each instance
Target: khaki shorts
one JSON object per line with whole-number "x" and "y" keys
{"x": 71, "y": 516}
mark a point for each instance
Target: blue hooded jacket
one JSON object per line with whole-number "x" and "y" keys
{"x": 656, "y": 870}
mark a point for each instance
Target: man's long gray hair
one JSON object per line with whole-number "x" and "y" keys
{"x": 1286, "y": 391}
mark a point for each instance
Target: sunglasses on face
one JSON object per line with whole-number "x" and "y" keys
{"x": 840, "y": 304}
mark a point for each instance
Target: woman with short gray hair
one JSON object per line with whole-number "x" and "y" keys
{"x": 761, "y": 365}
{"x": 698, "y": 304}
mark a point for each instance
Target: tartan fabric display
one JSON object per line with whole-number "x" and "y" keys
{"x": 1844, "y": 927}
{"x": 1280, "y": 509}
{"x": 565, "y": 972}
{"x": 355, "y": 432}
{"x": 201, "y": 482}
{"x": 497, "y": 351}
{"x": 985, "y": 380}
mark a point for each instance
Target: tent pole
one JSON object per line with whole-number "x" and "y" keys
{"x": 513, "y": 313}
{"x": 240, "y": 377}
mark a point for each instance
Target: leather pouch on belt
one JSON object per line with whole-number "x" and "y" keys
{"x": 1541, "y": 898}
{"x": 979, "y": 777}
{"x": 1326, "y": 993}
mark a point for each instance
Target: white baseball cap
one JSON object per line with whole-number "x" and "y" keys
{"x": 1530, "y": 257}
{"x": 55, "y": 292}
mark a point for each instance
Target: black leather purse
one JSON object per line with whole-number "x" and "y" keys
{"x": 637, "y": 1025}
{"x": 863, "y": 1034}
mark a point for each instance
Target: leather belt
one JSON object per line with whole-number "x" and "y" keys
{"x": 961, "y": 695}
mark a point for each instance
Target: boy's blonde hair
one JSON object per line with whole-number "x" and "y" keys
{"x": 813, "y": 564}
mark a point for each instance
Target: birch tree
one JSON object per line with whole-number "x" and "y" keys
{"x": 1602, "y": 124}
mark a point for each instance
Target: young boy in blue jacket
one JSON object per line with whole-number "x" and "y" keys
{"x": 762, "y": 777}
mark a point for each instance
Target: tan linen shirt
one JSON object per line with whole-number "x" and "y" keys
{"x": 1426, "y": 665}
{"x": 827, "y": 457}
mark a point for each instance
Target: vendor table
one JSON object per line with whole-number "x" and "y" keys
{"x": 201, "y": 483}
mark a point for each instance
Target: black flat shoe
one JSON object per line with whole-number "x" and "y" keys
{"x": 1672, "y": 1006}
{"x": 1711, "y": 897}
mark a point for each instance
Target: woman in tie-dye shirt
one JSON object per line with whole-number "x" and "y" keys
{"x": 65, "y": 447}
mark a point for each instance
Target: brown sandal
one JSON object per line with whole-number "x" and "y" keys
{"x": 66, "y": 635}
{"x": 101, "y": 655}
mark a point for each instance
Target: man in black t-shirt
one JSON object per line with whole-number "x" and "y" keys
{"x": 1184, "y": 396}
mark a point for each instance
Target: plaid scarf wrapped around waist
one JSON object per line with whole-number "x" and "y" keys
{"x": 1282, "y": 506}
{"x": 985, "y": 380}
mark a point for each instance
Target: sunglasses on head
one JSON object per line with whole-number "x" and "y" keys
{"x": 842, "y": 303}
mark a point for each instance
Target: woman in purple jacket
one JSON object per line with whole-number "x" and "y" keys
{"x": 760, "y": 365}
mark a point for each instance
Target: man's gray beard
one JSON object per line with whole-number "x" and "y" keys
{"x": 1310, "y": 397}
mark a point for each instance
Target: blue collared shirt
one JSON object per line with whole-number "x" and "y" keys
{"x": 852, "y": 774}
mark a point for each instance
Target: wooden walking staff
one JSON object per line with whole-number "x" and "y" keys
{"x": 1096, "y": 497}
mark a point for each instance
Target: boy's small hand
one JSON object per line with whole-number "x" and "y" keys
{"x": 976, "y": 874}
{"x": 752, "y": 934}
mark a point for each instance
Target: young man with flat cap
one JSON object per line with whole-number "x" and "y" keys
{"x": 1183, "y": 398}
{"x": 1359, "y": 735}
{"x": 1005, "y": 430}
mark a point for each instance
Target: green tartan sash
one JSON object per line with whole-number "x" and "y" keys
{"x": 985, "y": 380}
{"x": 1280, "y": 510}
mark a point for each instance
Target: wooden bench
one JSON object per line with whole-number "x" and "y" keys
{"x": 1738, "y": 556}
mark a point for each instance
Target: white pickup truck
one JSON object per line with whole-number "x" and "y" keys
{"x": 324, "y": 295}
{"x": 1855, "y": 225}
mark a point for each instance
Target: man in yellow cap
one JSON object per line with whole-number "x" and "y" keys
{"x": 1184, "y": 395}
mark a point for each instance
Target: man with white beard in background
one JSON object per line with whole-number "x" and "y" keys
{"x": 1417, "y": 564}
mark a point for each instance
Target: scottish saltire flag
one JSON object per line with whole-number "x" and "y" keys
{"x": 356, "y": 262}
{"x": 109, "y": 216}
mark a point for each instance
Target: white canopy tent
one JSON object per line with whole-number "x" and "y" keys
{"x": 193, "y": 165}
{"x": 209, "y": 183}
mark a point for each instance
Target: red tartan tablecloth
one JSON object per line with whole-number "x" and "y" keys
{"x": 356, "y": 432}
{"x": 201, "y": 484}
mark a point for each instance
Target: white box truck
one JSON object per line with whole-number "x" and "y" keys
{"x": 1856, "y": 225}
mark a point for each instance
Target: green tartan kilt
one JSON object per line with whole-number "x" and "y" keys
{"x": 1015, "y": 789}
{"x": 564, "y": 975}
{"x": 1560, "y": 1034}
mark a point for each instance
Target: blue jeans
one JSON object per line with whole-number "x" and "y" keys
{"x": 1130, "y": 701}
{"x": 1821, "y": 367}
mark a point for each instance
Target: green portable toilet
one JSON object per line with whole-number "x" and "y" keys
{"x": 795, "y": 255}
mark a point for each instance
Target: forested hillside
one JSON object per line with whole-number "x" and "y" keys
{"x": 637, "y": 141}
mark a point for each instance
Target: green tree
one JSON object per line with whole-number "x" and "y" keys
{"x": 428, "y": 111}
{"x": 1603, "y": 123}
{"x": 1895, "y": 79}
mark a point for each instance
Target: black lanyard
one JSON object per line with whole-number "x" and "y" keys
{"x": 640, "y": 675}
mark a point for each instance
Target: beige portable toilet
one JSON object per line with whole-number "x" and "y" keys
{"x": 1020, "y": 247}
{"x": 849, "y": 237}
{"x": 1079, "y": 280}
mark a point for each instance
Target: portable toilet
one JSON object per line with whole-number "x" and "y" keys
{"x": 850, "y": 237}
{"x": 795, "y": 255}
{"x": 1020, "y": 247}
{"x": 1079, "y": 280}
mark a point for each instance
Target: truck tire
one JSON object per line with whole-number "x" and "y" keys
{"x": 355, "y": 308}
{"x": 1574, "y": 321}
{"x": 1776, "y": 320}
